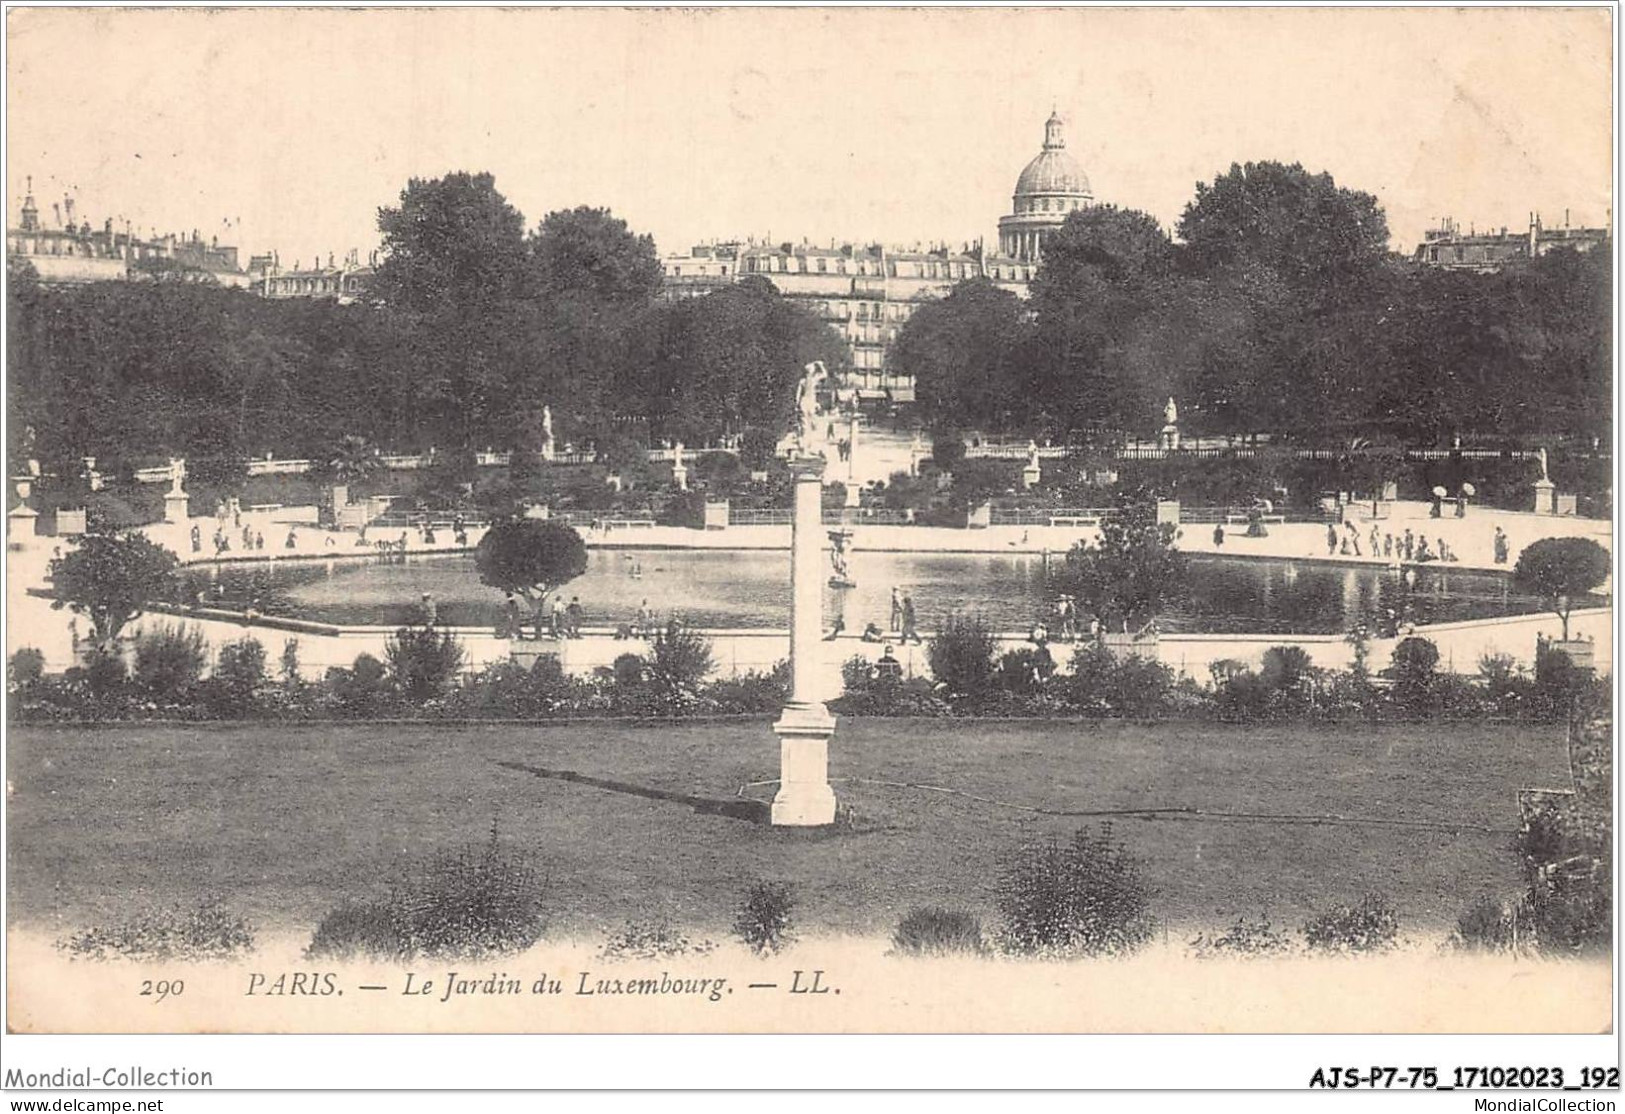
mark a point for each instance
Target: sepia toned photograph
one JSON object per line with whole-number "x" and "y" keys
{"x": 801, "y": 521}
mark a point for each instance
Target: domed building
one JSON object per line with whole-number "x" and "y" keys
{"x": 1050, "y": 187}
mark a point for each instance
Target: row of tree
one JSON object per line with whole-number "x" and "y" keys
{"x": 470, "y": 327}
{"x": 1279, "y": 309}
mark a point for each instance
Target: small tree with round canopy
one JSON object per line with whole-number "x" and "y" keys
{"x": 112, "y": 577}
{"x": 531, "y": 557}
{"x": 1558, "y": 569}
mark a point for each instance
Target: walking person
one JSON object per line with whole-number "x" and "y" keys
{"x": 910, "y": 630}
{"x": 1376, "y": 540}
{"x": 197, "y": 539}
{"x": 575, "y": 614}
{"x": 1410, "y": 544}
{"x": 558, "y": 620}
{"x": 427, "y": 612}
{"x": 1500, "y": 545}
{"x": 513, "y": 626}
{"x": 1218, "y": 536}
{"x": 1331, "y": 540}
{"x": 1387, "y": 545}
{"x": 896, "y": 610}
{"x": 646, "y": 620}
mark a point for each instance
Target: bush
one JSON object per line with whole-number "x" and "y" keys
{"x": 360, "y": 690}
{"x": 1484, "y": 926}
{"x": 961, "y": 658}
{"x": 937, "y": 931}
{"x": 465, "y": 904}
{"x": 169, "y": 659}
{"x": 356, "y": 931}
{"x": 679, "y": 661}
{"x": 1413, "y": 676}
{"x": 1025, "y": 671}
{"x": 752, "y": 694}
{"x": 207, "y": 931}
{"x": 1244, "y": 938}
{"x": 423, "y": 661}
{"x": 1083, "y": 897}
{"x": 27, "y": 668}
{"x": 241, "y": 668}
{"x": 1372, "y": 925}
{"x": 1129, "y": 686}
{"x": 104, "y": 675}
{"x": 763, "y": 920}
{"x": 652, "y": 939}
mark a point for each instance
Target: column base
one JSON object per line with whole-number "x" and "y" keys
{"x": 805, "y": 798}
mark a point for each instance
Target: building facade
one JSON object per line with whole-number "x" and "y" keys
{"x": 344, "y": 281}
{"x": 866, "y": 292}
{"x": 68, "y": 251}
{"x": 1450, "y": 248}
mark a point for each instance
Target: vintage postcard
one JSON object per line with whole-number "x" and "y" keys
{"x": 782, "y": 520}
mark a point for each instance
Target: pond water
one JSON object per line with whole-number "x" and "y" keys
{"x": 736, "y": 588}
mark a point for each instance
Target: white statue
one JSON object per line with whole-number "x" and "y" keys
{"x": 177, "y": 474}
{"x": 1032, "y": 454}
{"x": 1170, "y": 413}
{"x": 677, "y": 456}
{"x": 807, "y": 404}
{"x": 1541, "y": 452}
{"x": 547, "y": 422}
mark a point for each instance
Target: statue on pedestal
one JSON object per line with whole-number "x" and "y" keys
{"x": 807, "y": 410}
{"x": 547, "y": 433}
{"x": 177, "y": 474}
{"x": 1170, "y": 427}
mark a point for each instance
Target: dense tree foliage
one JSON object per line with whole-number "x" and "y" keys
{"x": 469, "y": 329}
{"x": 530, "y": 557}
{"x": 1279, "y": 310}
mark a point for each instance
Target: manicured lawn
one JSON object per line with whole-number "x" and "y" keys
{"x": 283, "y": 822}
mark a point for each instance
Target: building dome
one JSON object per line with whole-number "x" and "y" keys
{"x": 1050, "y": 187}
{"x": 1053, "y": 170}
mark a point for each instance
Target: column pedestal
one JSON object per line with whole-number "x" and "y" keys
{"x": 1545, "y": 497}
{"x": 177, "y": 507}
{"x": 804, "y": 798}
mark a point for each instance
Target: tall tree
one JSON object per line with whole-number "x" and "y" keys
{"x": 965, "y": 354}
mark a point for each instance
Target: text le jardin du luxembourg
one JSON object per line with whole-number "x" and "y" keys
{"x": 579, "y": 984}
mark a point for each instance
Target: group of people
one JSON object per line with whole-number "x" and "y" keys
{"x": 1409, "y": 547}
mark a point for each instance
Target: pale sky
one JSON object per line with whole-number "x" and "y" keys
{"x": 864, "y": 124}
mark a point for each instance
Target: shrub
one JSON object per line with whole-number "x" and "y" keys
{"x": 652, "y": 939}
{"x": 1372, "y": 925}
{"x": 1484, "y": 926}
{"x": 1244, "y": 938}
{"x": 104, "y": 675}
{"x": 1025, "y": 670}
{"x": 203, "y": 932}
{"x": 763, "y": 920}
{"x": 288, "y": 667}
{"x": 169, "y": 659}
{"x": 1413, "y": 676}
{"x": 241, "y": 667}
{"x": 27, "y": 668}
{"x": 937, "y": 931}
{"x": 1083, "y": 897}
{"x": 465, "y": 904}
{"x": 627, "y": 670}
{"x": 752, "y": 693}
{"x": 423, "y": 661}
{"x": 679, "y": 661}
{"x": 1508, "y": 688}
{"x": 360, "y": 690}
{"x": 356, "y": 931}
{"x": 1129, "y": 686}
{"x": 961, "y": 658}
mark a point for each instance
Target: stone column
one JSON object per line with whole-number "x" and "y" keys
{"x": 805, "y": 798}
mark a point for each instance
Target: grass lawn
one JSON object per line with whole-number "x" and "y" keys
{"x": 283, "y": 822}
